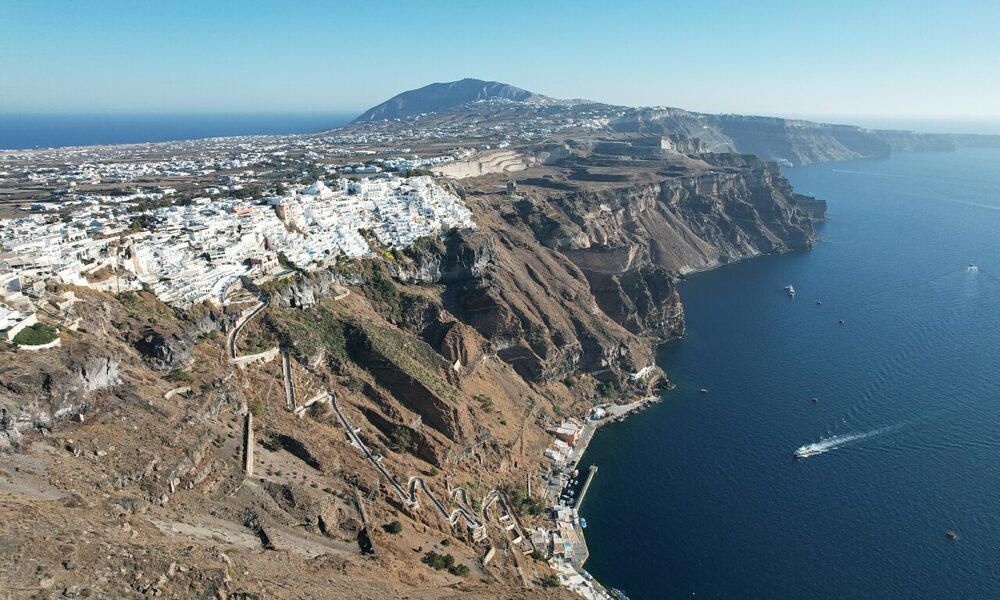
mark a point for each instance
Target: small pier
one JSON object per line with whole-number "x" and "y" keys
{"x": 580, "y": 550}
{"x": 586, "y": 485}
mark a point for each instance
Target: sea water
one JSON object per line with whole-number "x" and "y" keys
{"x": 701, "y": 496}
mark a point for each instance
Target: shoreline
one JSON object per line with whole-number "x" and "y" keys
{"x": 572, "y": 575}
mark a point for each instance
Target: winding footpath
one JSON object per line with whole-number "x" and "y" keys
{"x": 234, "y": 357}
{"x": 409, "y": 496}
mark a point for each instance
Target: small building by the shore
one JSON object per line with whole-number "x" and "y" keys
{"x": 568, "y": 431}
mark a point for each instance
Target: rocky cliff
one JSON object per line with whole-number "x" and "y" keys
{"x": 576, "y": 273}
{"x": 791, "y": 141}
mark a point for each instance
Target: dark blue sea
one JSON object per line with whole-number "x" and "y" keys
{"x": 700, "y": 496}
{"x": 19, "y": 131}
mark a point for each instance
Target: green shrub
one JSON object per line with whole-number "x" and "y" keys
{"x": 184, "y": 375}
{"x": 128, "y": 299}
{"x": 256, "y": 408}
{"x": 381, "y": 290}
{"x": 35, "y": 335}
{"x": 402, "y": 440}
{"x": 440, "y": 562}
{"x": 394, "y": 528}
{"x": 550, "y": 581}
{"x": 485, "y": 402}
{"x": 520, "y": 502}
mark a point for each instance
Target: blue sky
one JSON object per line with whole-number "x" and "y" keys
{"x": 802, "y": 58}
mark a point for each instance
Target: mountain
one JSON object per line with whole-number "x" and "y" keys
{"x": 442, "y": 96}
{"x": 461, "y": 109}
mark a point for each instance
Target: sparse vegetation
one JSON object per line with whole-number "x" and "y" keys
{"x": 402, "y": 440}
{"x": 275, "y": 286}
{"x": 313, "y": 330}
{"x": 522, "y": 503}
{"x": 382, "y": 291}
{"x": 128, "y": 299}
{"x": 35, "y": 335}
{"x": 395, "y": 528}
{"x": 285, "y": 262}
{"x": 550, "y": 581}
{"x": 354, "y": 384}
{"x": 485, "y": 402}
{"x": 256, "y": 408}
{"x": 440, "y": 562}
{"x": 183, "y": 375}
{"x": 415, "y": 359}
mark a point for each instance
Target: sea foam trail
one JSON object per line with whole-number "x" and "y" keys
{"x": 839, "y": 441}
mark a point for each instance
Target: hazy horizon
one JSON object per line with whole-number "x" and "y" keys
{"x": 22, "y": 131}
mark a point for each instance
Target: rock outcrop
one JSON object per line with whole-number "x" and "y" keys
{"x": 166, "y": 351}
{"x": 65, "y": 386}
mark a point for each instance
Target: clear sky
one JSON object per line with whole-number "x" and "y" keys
{"x": 838, "y": 58}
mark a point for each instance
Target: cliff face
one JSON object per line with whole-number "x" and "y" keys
{"x": 583, "y": 279}
{"x": 796, "y": 141}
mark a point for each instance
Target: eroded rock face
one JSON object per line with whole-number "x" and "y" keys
{"x": 420, "y": 384}
{"x": 64, "y": 387}
{"x": 98, "y": 372}
{"x": 460, "y": 344}
{"x": 166, "y": 351}
{"x": 302, "y": 291}
{"x": 461, "y": 256}
{"x": 799, "y": 142}
{"x": 582, "y": 278}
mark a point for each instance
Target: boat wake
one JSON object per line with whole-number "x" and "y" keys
{"x": 839, "y": 441}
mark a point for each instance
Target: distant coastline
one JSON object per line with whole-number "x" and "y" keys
{"x": 21, "y": 131}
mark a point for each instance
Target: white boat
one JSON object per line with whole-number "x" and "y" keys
{"x": 790, "y": 290}
{"x": 807, "y": 451}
